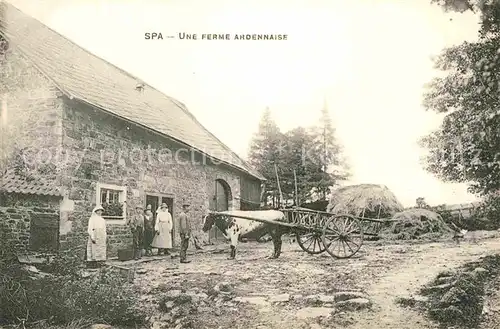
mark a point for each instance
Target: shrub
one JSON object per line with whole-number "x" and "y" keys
{"x": 485, "y": 217}
{"x": 490, "y": 211}
{"x": 61, "y": 299}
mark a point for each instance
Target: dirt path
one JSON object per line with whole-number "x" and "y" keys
{"x": 284, "y": 293}
{"x": 406, "y": 279}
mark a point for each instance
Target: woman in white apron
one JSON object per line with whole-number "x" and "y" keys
{"x": 96, "y": 245}
{"x": 163, "y": 230}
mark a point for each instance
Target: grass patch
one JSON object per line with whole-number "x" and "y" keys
{"x": 62, "y": 297}
{"x": 456, "y": 298}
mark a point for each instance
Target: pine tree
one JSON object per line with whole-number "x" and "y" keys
{"x": 327, "y": 153}
{"x": 266, "y": 151}
{"x": 298, "y": 140}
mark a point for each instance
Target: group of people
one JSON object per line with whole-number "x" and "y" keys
{"x": 147, "y": 233}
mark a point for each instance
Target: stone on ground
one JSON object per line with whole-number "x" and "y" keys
{"x": 346, "y": 295}
{"x": 279, "y": 298}
{"x": 355, "y": 304}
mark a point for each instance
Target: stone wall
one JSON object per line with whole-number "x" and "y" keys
{"x": 108, "y": 150}
{"x": 31, "y": 133}
{"x": 32, "y": 120}
{"x": 19, "y": 212}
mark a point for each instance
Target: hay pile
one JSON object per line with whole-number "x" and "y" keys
{"x": 364, "y": 200}
{"x": 417, "y": 223}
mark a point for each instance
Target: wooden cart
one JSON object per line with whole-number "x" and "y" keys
{"x": 317, "y": 231}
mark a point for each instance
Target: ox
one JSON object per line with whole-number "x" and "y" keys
{"x": 235, "y": 228}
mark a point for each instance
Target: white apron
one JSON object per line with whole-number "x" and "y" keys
{"x": 97, "y": 231}
{"x": 163, "y": 225}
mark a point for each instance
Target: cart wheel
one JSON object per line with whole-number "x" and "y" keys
{"x": 310, "y": 242}
{"x": 343, "y": 235}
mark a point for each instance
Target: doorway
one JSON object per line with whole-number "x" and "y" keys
{"x": 221, "y": 203}
{"x": 155, "y": 200}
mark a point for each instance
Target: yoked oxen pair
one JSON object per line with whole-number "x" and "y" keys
{"x": 235, "y": 228}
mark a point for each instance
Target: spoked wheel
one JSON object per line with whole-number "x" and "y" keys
{"x": 310, "y": 242}
{"x": 343, "y": 235}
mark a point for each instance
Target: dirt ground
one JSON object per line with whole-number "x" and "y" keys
{"x": 299, "y": 290}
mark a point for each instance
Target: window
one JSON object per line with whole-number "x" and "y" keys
{"x": 113, "y": 199}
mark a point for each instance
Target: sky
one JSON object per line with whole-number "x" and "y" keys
{"x": 367, "y": 60}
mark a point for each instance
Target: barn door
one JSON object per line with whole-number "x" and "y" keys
{"x": 221, "y": 203}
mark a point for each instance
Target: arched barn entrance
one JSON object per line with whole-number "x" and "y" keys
{"x": 221, "y": 202}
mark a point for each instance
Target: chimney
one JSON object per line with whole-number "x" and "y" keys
{"x": 139, "y": 87}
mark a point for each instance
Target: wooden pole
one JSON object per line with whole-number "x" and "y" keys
{"x": 296, "y": 189}
{"x": 279, "y": 186}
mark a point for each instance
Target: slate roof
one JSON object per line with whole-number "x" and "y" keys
{"x": 83, "y": 76}
{"x": 12, "y": 183}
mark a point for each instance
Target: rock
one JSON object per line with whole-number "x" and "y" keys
{"x": 346, "y": 295}
{"x": 314, "y": 312}
{"x": 166, "y": 318}
{"x": 141, "y": 271}
{"x": 481, "y": 271}
{"x": 297, "y": 297}
{"x": 446, "y": 274}
{"x": 312, "y": 298}
{"x": 246, "y": 278}
{"x": 155, "y": 325}
{"x": 85, "y": 274}
{"x": 444, "y": 280}
{"x": 326, "y": 299}
{"x": 100, "y": 326}
{"x": 438, "y": 288}
{"x": 225, "y": 287}
{"x": 355, "y": 304}
{"x": 279, "y": 298}
{"x": 226, "y": 296}
{"x": 253, "y": 300}
{"x": 169, "y": 305}
{"x": 453, "y": 296}
{"x": 449, "y": 312}
{"x": 173, "y": 293}
{"x": 420, "y": 299}
{"x": 183, "y": 299}
{"x": 202, "y": 295}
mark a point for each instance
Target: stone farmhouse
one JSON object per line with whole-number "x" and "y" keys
{"x": 77, "y": 131}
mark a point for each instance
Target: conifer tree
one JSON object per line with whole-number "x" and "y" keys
{"x": 266, "y": 150}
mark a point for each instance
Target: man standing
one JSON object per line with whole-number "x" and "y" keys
{"x": 136, "y": 223}
{"x": 149, "y": 229}
{"x": 185, "y": 232}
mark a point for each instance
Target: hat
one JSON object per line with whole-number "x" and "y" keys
{"x": 185, "y": 204}
{"x": 164, "y": 205}
{"x": 148, "y": 207}
{"x": 99, "y": 207}
{"x": 139, "y": 206}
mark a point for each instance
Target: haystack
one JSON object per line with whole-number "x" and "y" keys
{"x": 364, "y": 200}
{"x": 417, "y": 223}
